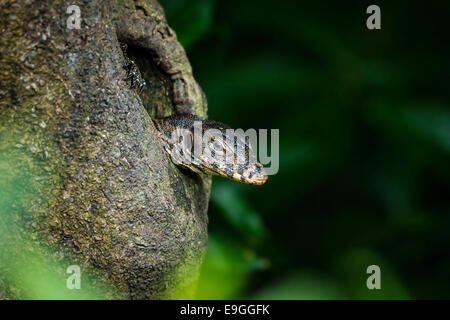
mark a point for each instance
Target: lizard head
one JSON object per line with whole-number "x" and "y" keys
{"x": 210, "y": 147}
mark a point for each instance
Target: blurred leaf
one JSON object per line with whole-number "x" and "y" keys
{"x": 416, "y": 122}
{"x": 226, "y": 269}
{"x": 383, "y": 74}
{"x": 301, "y": 286}
{"x": 237, "y": 211}
{"x": 353, "y": 266}
{"x": 34, "y": 274}
{"x": 256, "y": 79}
{"x": 189, "y": 18}
{"x": 36, "y": 270}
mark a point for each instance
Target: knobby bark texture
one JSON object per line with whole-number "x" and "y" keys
{"x": 84, "y": 179}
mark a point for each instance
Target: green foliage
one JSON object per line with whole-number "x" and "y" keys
{"x": 193, "y": 17}
{"x": 35, "y": 270}
{"x": 226, "y": 268}
{"x": 364, "y": 146}
{"x": 300, "y": 286}
{"x": 237, "y": 211}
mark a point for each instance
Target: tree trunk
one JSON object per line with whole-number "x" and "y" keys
{"x": 84, "y": 179}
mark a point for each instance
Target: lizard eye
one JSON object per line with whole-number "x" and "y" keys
{"x": 214, "y": 145}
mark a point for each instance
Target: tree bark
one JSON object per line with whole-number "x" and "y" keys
{"x": 84, "y": 179}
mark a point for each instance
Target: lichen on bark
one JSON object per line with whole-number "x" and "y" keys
{"x": 84, "y": 179}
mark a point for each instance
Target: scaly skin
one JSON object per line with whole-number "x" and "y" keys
{"x": 243, "y": 166}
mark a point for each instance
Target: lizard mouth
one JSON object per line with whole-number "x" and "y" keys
{"x": 258, "y": 180}
{"x": 255, "y": 175}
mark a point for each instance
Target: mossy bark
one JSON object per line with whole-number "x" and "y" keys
{"x": 84, "y": 179}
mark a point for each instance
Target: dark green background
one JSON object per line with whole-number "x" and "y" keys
{"x": 364, "y": 145}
